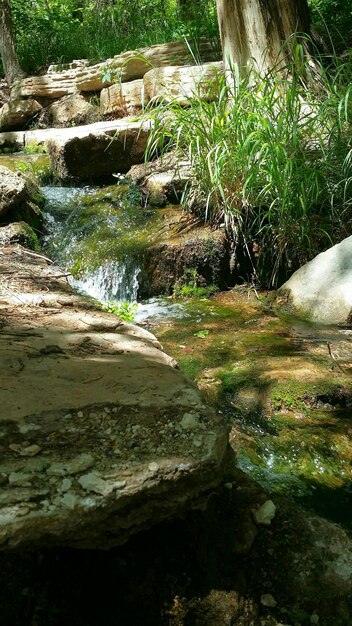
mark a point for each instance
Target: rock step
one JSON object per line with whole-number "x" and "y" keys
{"x": 87, "y": 152}
{"x": 128, "y": 66}
{"x": 101, "y": 436}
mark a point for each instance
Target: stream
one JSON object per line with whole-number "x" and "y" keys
{"x": 283, "y": 384}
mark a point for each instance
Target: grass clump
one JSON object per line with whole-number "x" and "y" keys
{"x": 189, "y": 286}
{"x": 272, "y": 159}
{"x": 125, "y": 310}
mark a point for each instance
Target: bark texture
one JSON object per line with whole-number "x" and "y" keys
{"x": 257, "y": 29}
{"x": 12, "y": 68}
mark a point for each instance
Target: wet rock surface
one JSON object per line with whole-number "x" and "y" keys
{"x": 100, "y": 435}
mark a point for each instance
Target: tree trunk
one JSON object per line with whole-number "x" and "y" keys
{"x": 256, "y": 30}
{"x": 12, "y": 68}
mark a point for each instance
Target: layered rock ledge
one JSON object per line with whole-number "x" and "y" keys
{"x": 101, "y": 435}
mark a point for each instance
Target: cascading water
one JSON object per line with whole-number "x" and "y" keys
{"x": 100, "y": 236}
{"x": 67, "y": 231}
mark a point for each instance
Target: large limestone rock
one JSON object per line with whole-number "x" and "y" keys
{"x": 19, "y": 199}
{"x": 122, "y": 99}
{"x": 100, "y": 435}
{"x": 322, "y": 289}
{"x": 15, "y": 113}
{"x": 98, "y": 150}
{"x": 123, "y": 67}
{"x": 73, "y": 109}
{"x": 17, "y": 140}
{"x": 181, "y": 84}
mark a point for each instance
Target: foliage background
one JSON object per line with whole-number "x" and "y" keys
{"x": 50, "y": 31}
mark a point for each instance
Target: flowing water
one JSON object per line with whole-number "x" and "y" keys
{"x": 283, "y": 384}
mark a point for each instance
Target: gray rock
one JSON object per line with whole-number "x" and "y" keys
{"x": 76, "y": 491}
{"x": 322, "y": 289}
{"x": 74, "y": 109}
{"x": 98, "y": 150}
{"x": 16, "y": 113}
{"x": 18, "y": 198}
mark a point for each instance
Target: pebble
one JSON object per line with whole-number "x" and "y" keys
{"x": 80, "y": 414}
{"x": 31, "y": 450}
{"x": 26, "y": 428}
{"x": 77, "y": 465}
{"x": 265, "y": 514}
{"x": 66, "y": 484}
{"x": 16, "y": 479}
{"x": 268, "y": 600}
{"x": 190, "y": 421}
{"x": 153, "y": 467}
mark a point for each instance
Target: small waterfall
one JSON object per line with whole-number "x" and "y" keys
{"x": 67, "y": 242}
{"x": 115, "y": 280}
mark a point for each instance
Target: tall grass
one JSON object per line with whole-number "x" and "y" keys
{"x": 272, "y": 158}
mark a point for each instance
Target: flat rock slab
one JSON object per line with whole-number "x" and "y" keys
{"x": 97, "y": 150}
{"x": 100, "y": 435}
{"x": 130, "y": 65}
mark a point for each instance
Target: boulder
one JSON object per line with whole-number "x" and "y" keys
{"x": 106, "y": 437}
{"x": 35, "y": 139}
{"x": 181, "y": 84}
{"x": 16, "y": 113}
{"x": 322, "y": 289}
{"x": 185, "y": 248}
{"x": 74, "y": 109}
{"x": 162, "y": 181}
{"x": 11, "y": 141}
{"x": 19, "y": 198}
{"x": 21, "y": 233}
{"x": 122, "y": 99}
{"x": 97, "y": 150}
{"x": 132, "y": 65}
{"x": 123, "y": 67}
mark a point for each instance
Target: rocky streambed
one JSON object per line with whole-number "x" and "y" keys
{"x": 103, "y": 438}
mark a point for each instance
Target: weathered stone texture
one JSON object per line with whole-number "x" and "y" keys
{"x": 105, "y": 437}
{"x": 15, "y": 113}
{"x": 182, "y": 84}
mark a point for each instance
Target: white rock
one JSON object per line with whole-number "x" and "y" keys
{"x": 182, "y": 84}
{"x": 322, "y": 289}
{"x": 265, "y": 514}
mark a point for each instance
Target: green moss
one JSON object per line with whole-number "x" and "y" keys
{"x": 103, "y": 227}
{"x": 36, "y": 166}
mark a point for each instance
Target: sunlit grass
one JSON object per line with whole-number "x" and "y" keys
{"x": 272, "y": 158}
